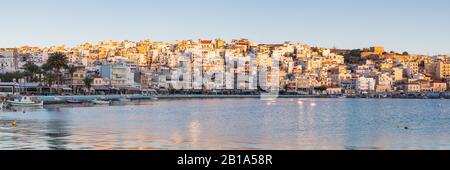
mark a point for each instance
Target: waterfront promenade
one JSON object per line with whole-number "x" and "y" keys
{"x": 87, "y": 98}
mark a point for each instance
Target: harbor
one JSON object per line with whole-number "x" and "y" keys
{"x": 89, "y": 98}
{"x": 231, "y": 123}
{"x": 102, "y": 99}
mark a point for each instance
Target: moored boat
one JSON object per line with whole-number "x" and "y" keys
{"x": 101, "y": 101}
{"x": 73, "y": 101}
{"x": 26, "y": 101}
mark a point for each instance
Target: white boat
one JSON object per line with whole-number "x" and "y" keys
{"x": 26, "y": 101}
{"x": 73, "y": 101}
{"x": 342, "y": 97}
{"x": 101, "y": 101}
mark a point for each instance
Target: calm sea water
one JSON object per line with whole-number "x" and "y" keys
{"x": 233, "y": 124}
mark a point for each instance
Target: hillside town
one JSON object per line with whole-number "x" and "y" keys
{"x": 220, "y": 67}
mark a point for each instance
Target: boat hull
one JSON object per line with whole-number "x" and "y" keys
{"x": 74, "y": 102}
{"x": 101, "y": 102}
{"x": 27, "y": 104}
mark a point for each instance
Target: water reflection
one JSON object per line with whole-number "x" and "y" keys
{"x": 57, "y": 134}
{"x": 232, "y": 124}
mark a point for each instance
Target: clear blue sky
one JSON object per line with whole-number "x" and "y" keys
{"x": 418, "y": 26}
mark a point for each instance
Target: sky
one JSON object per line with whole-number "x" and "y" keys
{"x": 416, "y": 26}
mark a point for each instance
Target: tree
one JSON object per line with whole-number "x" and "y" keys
{"x": 31, "y": 70}
{"x": 50, "y": 78}
{"x": 405, "y": 53}
{"x": 56, "y": 62}
{"x": 88, "y": 80}
{"x": 11, "y": 77}
{"x": 71, "y": 69}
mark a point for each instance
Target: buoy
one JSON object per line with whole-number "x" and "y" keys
{"x": 14, "y": 123}
{"x": 406, "y": 127}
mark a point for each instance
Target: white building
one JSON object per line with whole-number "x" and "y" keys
{"x": 37, "y": 58}
{"x": 119, "y": 74}
{"x": 364, "y": 84}
{"x": 7, "y": 64}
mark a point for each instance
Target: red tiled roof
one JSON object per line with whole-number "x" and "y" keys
{"x": 205, "y": 41}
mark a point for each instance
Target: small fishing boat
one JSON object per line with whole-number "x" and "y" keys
{"x": 26, "y": 101}
{"x": 73, "y": 101}
{"x": 96, "y": 101}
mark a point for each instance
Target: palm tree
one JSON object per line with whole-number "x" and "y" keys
{"x": 31, "y": 70}
{"x": 56, "y": 62}
{"x": 50, "y": 78}
{"x": 88, "y": 80}
{"x": 71, "y": 70}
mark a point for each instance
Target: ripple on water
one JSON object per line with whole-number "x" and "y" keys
{"x": 234, "y": 124}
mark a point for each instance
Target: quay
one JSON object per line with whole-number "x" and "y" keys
{"x": 87, "y": 98}
{"x": 216, "y": 96}
{"x": 199, "y": 96}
